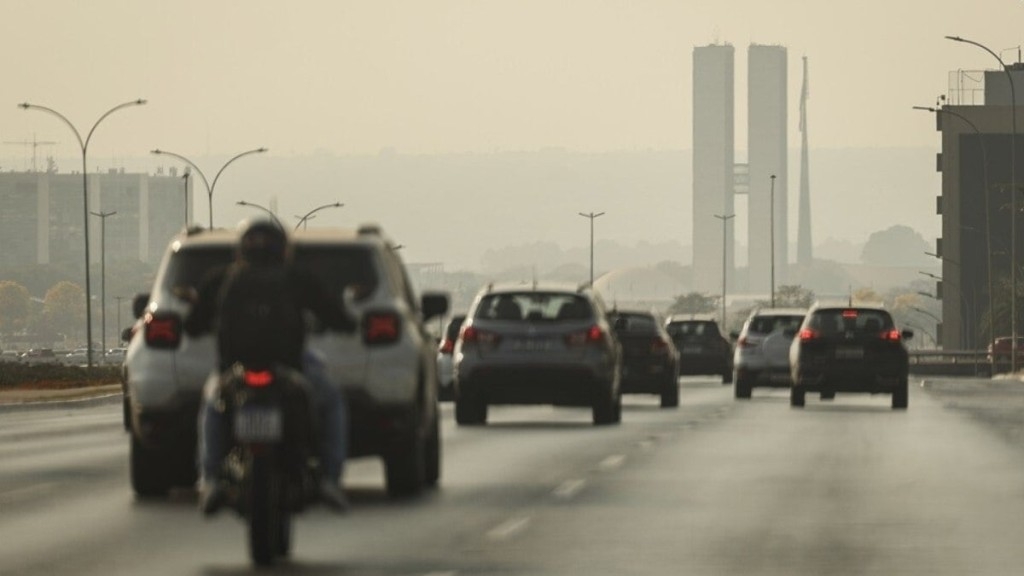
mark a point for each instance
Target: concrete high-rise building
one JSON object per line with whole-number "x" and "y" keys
{"x": 767, "y": 147}
{"x": 804, "y": 247}
{"x": 41, "y": 222}
{"x": 713, "y": 159}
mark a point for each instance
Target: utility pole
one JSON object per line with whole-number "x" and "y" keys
{"x": 103, "y": 276}
{"x": 591, "y": 216}
{"x": 725, "y": 220}
{"x": 772, "y": 201}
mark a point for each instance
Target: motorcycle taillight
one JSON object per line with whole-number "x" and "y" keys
{"x": 258, "y": 378}
{"x": 162, "y": 330}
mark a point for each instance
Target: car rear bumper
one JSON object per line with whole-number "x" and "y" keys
{"x": 868, "y": 381}
{"x": 696, "y": 365}
{"x": 647, "y": 377}
{"x": 561, "y": 386}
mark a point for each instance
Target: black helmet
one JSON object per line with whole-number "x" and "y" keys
{"x": 263, "y": 243}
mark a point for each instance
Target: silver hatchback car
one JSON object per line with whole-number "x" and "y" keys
{"x": 761, "y": 356}
{"x": 537, "y": 345}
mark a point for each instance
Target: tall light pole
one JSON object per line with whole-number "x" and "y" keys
{"x": 592, "y": 216}
{"x": 84, "y": 145}
{"x": 725, "y": 220}
{"x": 103, "y": 274}
{"x": 1013, "y": 199}
{"x": 305, "y": 218}
{"x": 263, "y": 208}
{"x": 209, "y": 187}
{"x": 772, "y": 229}
{"x": 184, "y": 178}
{"x": 988, "y": 216}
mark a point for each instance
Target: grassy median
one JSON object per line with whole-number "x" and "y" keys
{"x": 55, "y": 376}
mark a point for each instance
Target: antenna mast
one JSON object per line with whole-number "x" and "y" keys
{"x": 34, "y": 143}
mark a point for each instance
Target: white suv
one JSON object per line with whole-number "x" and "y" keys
{"x": 761, "y": 355}
{"x": 387, "y": 370}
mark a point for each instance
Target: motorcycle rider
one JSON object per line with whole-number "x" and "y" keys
{"x": 256, "y": 306}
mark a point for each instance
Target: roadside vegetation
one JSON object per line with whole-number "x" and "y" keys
{"x": 55, "y": 377}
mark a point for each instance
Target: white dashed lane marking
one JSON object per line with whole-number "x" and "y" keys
{"x": 612, "y": 462}
{"x": 508, "y": 528}
{"x": 569, "y": 488}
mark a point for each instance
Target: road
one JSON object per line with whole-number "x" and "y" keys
{"x": 717, "y": 487}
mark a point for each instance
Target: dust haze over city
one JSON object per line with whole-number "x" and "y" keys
{"x": 472, "y": 126}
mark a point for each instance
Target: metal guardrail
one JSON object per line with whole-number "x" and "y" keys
{"x": 955, "y": 363}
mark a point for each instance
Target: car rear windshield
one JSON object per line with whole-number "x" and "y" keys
{"x": 338, "y": 267}
{"x": 845, "y": 320}
{"x": 534, "y": 307}
{"x": 188, "y": 266}
{"x": 695, "y": 328}
{"x": 772, "y": 323}
{"x": 636, "y": 323}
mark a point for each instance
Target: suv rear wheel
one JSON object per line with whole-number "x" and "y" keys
{"x": 149, "y": 471}
{"x": 900, "y": 396}
{"x": 469, "y": 410}
{"x": 796, "y": 397}
{"x": 405, "y": 467}
{"x": 670, "y": 396}
{"x": 742, "y": 387}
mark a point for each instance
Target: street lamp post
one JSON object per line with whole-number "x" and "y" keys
{"x": 772, "y": 231}
{"x": 263, "y": 208}
{"x": 1013, "y": 199}
{"x": 103, "y": 275}
{"x": 303, "y": 220}
{"x": 725, "y": 220}
{"x": 988, "y": 216}
{"x": 184, "y": 178}
{"x": 209, "y": 187}
{"x": 84, "y": 145}
{"x": 592, "y": 216}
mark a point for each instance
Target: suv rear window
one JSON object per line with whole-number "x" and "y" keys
{"x": 637, "y": 323}
{"x": 338, "y": 267}
{"x": 858, "y": 321}
{"x": 188, "y": 266}
{"x": 534, "y": 307}
{"x": 697, "y": 328}
{"x": 769, "y": 324}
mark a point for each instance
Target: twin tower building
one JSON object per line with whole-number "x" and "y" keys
{"x": 719, "y": 180}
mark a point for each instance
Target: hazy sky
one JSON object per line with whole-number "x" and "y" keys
{"x": 426, "y": 76}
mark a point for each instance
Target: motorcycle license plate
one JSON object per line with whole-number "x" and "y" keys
{"x": 258, "y": 424}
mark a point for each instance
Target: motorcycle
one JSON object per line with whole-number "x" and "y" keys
{"x": 271, "y": 468}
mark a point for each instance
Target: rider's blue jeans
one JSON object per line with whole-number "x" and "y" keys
{"x": 330, "y": 406}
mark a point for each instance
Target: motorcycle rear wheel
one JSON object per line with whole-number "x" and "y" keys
{"x": 269, "y": 515}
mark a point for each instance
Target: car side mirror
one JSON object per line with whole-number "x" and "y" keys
{"x": 907, "y": 334}
{"x": 139, "y": 304}
{"x": 433, "y": 304}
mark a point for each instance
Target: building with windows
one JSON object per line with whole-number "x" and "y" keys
{"x": 42, "y": 217}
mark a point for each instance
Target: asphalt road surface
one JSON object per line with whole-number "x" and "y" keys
{"x": 717, "y": 487}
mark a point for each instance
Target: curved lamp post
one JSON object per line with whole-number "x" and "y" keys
{"x": 725, "y": 221}
{"x": 263, "y": 208}
{"x": 84, "y": 145}
{"x": 103, "y": 276}
{"x": 305, "y": 218}
{"x": 209, "y": 187}
{"x": 988, "y": 214}
{"x": 1013, "y": 199}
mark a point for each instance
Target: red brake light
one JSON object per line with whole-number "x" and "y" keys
{"x": 381, "y": 328}
{"x": 849, "y": 313}
{"x": 447, "y": 346}
{"x": 258, "y": 378}
{"x": 591, "y": 335}
{"x": 471, "y": 335}
{"x": 807, "y": 334}
{"x": 891, "y": 335}
{"x": 162, "y": 330}
{"x": 595, "y": 334}
{"x": 659, "y": 346}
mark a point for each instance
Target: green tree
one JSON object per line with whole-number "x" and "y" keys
{"x": 694, "y": 303}
{"x": 15, "y": 306}
{"x": 794, "y": 296}
{"x": 64, "y": 308}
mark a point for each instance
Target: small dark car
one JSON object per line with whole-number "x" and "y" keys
{"x": 650, "y": 362}
{"x": 702, "y": 347}
{"x": 445, "y": 360}
{"x": 849, "y": 349}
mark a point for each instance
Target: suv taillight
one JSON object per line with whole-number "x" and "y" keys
{"x": 807, "y": 335}
{"x": 745, "y": 342}
{"x": 891, "y": 335}
{"x": 447, "y": 347}
{"x": 162, "y": 330}
{"x": 659, "y": 346}
{"x": 471, "y": 335}
{"x": 381, "y": 328}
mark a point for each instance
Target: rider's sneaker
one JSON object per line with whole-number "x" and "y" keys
{"x": 212, "y": 497}
{"x": 333, "y": 496}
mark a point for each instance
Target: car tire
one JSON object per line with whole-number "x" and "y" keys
{"x": 432, "y": 454}
{"x": 796, "y": 397}
{"x": 405, "y": 468}
{"x": 900, "y": 396}
{"x": 727, "y": 377}
{"x": 149, "y": 472}
{"x": 741, "y": 389}
{"x": 670, "y": 395}
{"x": 604, "y": 410}
{"x": 470, "y": 411}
